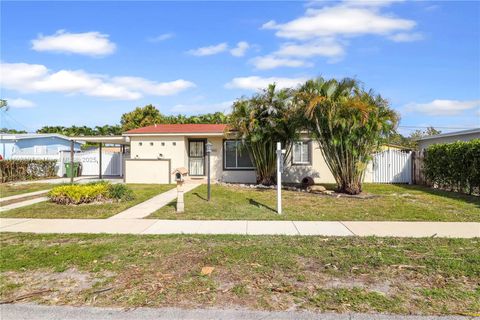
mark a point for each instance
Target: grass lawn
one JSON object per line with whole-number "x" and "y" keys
{"x": 403, "y": 276}
{"x": 50, "y": 210}
{"x": 393, "y": 202}
{"x": 7, "y": 189}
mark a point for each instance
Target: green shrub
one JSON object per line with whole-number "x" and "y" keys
{"x": 77, "y": 193}
{"x": 454, "y": 166}
{"x": 91, "y": 192}
{"x": 120, "y": 192}
{"x": 27, "y": 169}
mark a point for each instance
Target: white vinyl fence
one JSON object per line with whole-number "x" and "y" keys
{"x": 112, "y": 162}
{"x": 392, "y": 166}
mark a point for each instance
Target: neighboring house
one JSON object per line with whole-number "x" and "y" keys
{"x": 464, "y": 135}
{"x": 35, "y": 144}
{"x": 157, "y": 150}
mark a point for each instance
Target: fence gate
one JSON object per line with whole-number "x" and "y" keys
{"x": 112, "y": 162}
{"x": 392, "y": 166}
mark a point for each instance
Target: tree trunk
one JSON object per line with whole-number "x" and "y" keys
{"x": 266, "y": 181}
{"x": 351, "y": 188}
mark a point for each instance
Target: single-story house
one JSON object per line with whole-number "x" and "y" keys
{"x": 464, "y": 135}
{"x": 35, "y": 144}
{"x": 155, "y": 151}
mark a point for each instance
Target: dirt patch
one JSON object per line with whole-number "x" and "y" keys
{"x": 64, "y": 286}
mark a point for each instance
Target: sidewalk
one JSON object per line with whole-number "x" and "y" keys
{"x": 23, "y": 195}
{"x": 22, "y": 203}
{"x": 42, "y": 312}
{"x": 81, "y": 179}
{"x": 151, "y": 205}
{"x": 245, "y": 227}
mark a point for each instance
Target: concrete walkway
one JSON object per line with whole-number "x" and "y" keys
{"x": 42, "y": 312}
{"x": 23, "y": 195}
{"x": 22, "y": 204}
{"x": 81, "y": 179}
{"x": 151, "y": 205}
{"x": 244, "y": 227}
{"x": 52, "y": 181}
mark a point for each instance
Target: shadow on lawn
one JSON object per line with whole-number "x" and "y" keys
{"x": 198, "y": 195}
{"x": 260, "y": 205}
{"x": 443, "y": 193}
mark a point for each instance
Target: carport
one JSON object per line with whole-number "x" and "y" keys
{"x": 121, "y": 141}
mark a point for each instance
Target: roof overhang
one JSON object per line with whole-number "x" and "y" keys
{"x": 451, "y": 134}
{"x": 102, "y": 139}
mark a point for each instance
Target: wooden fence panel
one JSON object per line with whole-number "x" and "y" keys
{"x": 418, "y": 174}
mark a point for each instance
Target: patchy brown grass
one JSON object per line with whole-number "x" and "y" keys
{"x": 403, "y": 276}
{"x": 9, "y": 189}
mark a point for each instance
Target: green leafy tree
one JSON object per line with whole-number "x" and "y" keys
{"x": 263, "y": 120}
{"x": 430, "y": 131}
{"x": 12, "y": 131}
{"x": 141, "y": 117}
{"x": 106, "y": 130}
{"x": 53, "y": 129}
{"x": 349, "y": 123}
{"x": 411, "y": 140}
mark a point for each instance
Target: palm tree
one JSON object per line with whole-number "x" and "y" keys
{"x": 3, "y": 104}
{"x": 262, "y": 121}
{"x": 348, "y": 123}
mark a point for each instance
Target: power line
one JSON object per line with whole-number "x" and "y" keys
{"x": 426, "y": 127}
{"x": 16, "y": 121}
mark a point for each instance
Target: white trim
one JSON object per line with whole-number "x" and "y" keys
{"x": 101, "y": 139}
{"x": 309, "y": 155}
{"x": 21, "y": 136}
{"x": 451, "y": 134}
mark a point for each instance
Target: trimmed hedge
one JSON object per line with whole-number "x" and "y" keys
{"x": 454, "y": 166}
{"x": 18, "y": 170}
{"x": 91, "y": 192}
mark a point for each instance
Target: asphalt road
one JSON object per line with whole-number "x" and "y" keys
{"x": 38, "y": 312}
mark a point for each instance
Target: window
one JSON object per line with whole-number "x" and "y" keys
{"x": 235, "y": 156}
{"x": 301, "y": 152}
{"x": 151, "y": 143}
{"x": 140, "y": 143}
{"x": 40, "y": 149}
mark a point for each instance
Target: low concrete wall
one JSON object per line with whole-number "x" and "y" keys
{"x": 241, "y": 176}
{"x": 148, "y": 171}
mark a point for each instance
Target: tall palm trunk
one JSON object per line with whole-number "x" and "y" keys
{"x": 264, "y": 157}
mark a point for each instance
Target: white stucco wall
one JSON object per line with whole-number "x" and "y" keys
{"x": 318, "y": 168}
{"x": 162, "y": 147}
{"x": 157, "y": 147}
{"x": 147, "y": 171}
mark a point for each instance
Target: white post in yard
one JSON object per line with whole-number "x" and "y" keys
{"x": 279, "y": 177}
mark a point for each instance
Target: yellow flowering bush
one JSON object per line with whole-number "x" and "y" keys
{"x": 87, "y": 193}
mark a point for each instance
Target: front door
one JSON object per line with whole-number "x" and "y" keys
{"x": 196, "y": 157}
